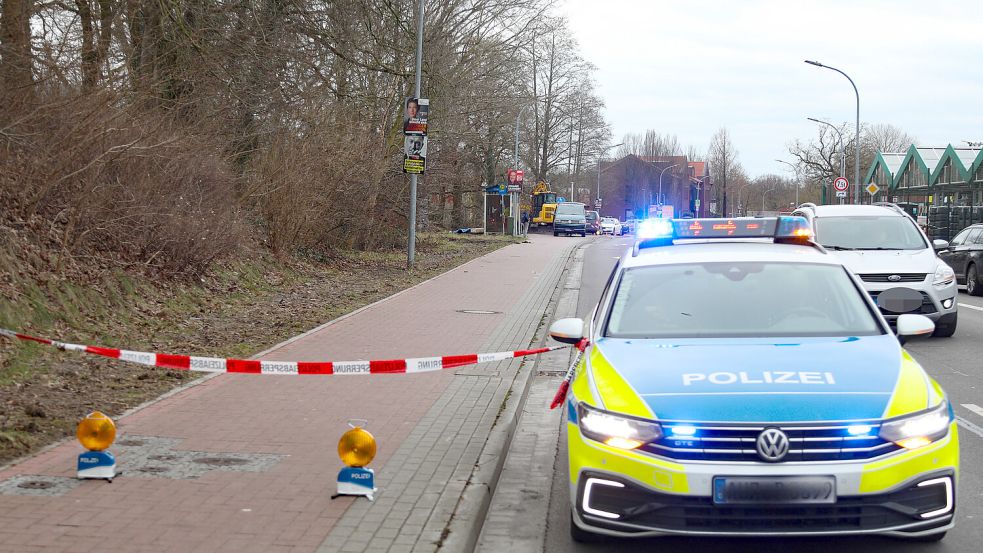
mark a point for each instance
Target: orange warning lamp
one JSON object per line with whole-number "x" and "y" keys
{"x": 96, "y": 432}
{"x": 357, "y": 447}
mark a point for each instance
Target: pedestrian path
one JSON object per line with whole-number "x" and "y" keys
{"x": 248, "y": 463}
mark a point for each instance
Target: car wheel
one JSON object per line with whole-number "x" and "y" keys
{"x": 945, "y": 327}
{"x": 583, "y": 234}
{"x": 556, "y": 233}
{"x": 973, "y": 287}
{"x": 580, "y": 535}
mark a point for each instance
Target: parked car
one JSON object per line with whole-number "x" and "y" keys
{"x": 593, "y": 222}
{"x": 896, "y": 263}
{"x": 629, "y": 226}
{"x": 965, "y": 256}
{"x": 570, "y": 218}
{"x": 610, "y": 225}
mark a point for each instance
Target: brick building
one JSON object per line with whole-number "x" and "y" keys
{"x": 628, "y": 186}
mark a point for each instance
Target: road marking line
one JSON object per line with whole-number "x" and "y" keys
{"x": 969, "y": 426}
{"x": 968, "y": 306}
{"x": 974, "y": 408}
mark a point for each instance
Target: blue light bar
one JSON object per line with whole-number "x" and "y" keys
{"x": 662, "y": 232}
{"x": 655, "y": 229}
{"x": 683, "y": 430}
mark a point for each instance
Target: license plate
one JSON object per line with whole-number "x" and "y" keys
{"x": 771, "y": 490}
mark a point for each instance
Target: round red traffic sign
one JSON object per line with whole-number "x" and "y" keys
{"x": 841, "y": 184}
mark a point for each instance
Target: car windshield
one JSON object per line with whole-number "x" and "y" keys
{"x": 609, "y": 220}
{"x": 868, "y": 233}
{"x": 739, "y": 300}
{"x": 570, "y": 209}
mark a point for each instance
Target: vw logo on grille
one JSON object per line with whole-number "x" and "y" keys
{"x": 772, "y": 445}
{"x": 894, "y": 278}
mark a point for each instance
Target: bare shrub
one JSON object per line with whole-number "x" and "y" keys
{"x": 117, "y": 183}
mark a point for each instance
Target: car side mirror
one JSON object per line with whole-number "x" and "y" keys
{"x": 940, "y": 244}
{"x": 914, "y": 326}
{"x": 567, "y": 331}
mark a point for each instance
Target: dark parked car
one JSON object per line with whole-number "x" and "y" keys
{"x": 965, "y": 256}
{"x": 593, "y": 222}
{"x": 570, "y": 218}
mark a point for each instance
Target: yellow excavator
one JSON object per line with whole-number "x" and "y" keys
{"x": 543, "y": 204}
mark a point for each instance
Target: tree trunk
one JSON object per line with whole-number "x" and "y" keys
{"x": 16, "y": 61}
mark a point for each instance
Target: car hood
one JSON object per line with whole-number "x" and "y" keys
{"x": 757, "y": 380}
{"x": 887, "y": 261}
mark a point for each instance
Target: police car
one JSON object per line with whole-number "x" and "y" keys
{"x": 737, "y": 380}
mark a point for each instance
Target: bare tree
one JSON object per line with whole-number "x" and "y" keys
{"x": 722, "y": 157}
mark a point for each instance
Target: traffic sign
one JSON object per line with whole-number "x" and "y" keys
{"x": 841, "y": 184}
{"x": 872, "y": 188}
{"x": 841, "y": 193}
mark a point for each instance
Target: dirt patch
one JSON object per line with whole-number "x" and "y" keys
{"x": 234, "y": 311}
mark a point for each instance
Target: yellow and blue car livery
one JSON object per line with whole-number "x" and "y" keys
{"x": 758, "y": 436}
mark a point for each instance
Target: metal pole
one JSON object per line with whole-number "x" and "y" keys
{"x": 411, "y": 247}
{"x": 603, "y": 153}
{"x": 797, "y": 179}
{"x": 660, "y": 187}
{"x": 842, "y": 147}
{"x": 763, "y": 195}
{"x": 856, "y": 160}
{"x": 740, "y": 200}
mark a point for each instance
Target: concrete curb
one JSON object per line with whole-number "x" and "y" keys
{"x": 518, "y": 510}
{"x": 464, "y": 527}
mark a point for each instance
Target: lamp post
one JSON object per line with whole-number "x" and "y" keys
{"x": 797, "y": 179}
{"x": 604, "y": 151}
{"x": 660, "y": 185}
{"x": 515, "y": 165}
{"x": 740, "y": 201}
{"x": 763, "y": 194}
{"x": 842, "y": 144}
{"x": 411, "y": 245}
{"x": 856, "y": 160}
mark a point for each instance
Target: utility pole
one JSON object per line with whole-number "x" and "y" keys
{"x": 856, "y": 138}
{"x": 411, "y": 246}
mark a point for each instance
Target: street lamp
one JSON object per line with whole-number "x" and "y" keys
{"x": 797, "y": 179}
{"x": 856, "y": 161}
{"x": 660, "y": 186}
{"x": 740, "y": 202}
{"x": 842, "y": 144}
{"x": 604, "y": 151}
{"x": 763, "y": 194}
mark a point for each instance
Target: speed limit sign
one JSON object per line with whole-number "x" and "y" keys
{"x": 841, "y": 184}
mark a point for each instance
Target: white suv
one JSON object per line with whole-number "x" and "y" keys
{"x": 897, "y": 263}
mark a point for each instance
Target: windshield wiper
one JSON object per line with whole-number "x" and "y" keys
{"x": 878, "y": 248}
{"x": 839, "y": 248}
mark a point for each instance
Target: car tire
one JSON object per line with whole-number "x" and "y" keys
{"x": 945, "y": 327}
{"x": 973, "y": 287}
{"x": 580, "y": 535}
{"x": 583, "y": 235}
{"x": 556, "y": 233}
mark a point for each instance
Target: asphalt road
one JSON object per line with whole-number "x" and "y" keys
{"x": 955, "y": 362}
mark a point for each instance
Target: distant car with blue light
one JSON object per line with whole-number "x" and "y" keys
{"x": 738, "y": 380}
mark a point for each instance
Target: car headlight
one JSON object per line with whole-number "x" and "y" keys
{"x": 616, "y": 430}
{"x": 944, "y": 275}
{"x": 920, "y": 429}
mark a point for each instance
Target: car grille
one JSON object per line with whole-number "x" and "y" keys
{"x": 638, "y": 506}
{"x": 883, "y": 277}
{"x": 737, "y": 443}
{"x": 926, "y": 308}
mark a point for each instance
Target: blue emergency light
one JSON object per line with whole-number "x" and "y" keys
{"x": 663, "y": 232}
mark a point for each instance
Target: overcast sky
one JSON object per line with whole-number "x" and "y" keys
{"x": 688, "y": 67}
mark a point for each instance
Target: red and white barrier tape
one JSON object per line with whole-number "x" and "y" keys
{"x": 249, "y": 366}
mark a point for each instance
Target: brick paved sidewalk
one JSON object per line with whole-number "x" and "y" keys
{"x": 247, "y": 463}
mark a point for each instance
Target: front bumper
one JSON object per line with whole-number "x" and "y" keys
{"x": 575, "y": 228}
{"x": 644, "y": 512}
{"x": 936, "y": 302}
{"x": 656, "y": 496}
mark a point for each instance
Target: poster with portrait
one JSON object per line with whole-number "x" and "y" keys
{"x": 415, "y": 113}
{"x": 415, "y": 154}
